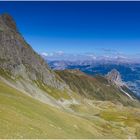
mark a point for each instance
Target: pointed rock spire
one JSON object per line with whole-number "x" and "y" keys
{"x": 114, "y": 77}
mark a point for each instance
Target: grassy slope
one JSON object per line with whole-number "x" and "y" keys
{"x": 55, "y": 93}
{"x": 24, "y": 117}
{"x": 93, "y": 88}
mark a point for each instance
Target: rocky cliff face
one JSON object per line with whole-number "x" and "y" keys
{"x": 114, "y": 77}
{"x": 18, "y": 58}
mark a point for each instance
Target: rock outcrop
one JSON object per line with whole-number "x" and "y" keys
{"x": 114, "y": 77}
{"x": 97, "y": 87}
{"x": 18, "y": 58}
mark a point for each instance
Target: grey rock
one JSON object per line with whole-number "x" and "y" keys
{"x": 18, "y": 57}
{"x": 114, "y": 77}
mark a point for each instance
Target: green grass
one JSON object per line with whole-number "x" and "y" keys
{"x": 5, "y": 74}
{"x": 57, "y": 94}
{"x": 112, "y": 120}
{"x": 24, "y": 117}
{"x": 93, "y": 87}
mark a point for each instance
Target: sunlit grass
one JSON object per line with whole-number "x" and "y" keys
{"x": 23, "y": 117}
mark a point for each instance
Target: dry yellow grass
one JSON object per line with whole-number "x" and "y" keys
{"x": 23, "y": 117}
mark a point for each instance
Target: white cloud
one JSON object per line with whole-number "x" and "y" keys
{"x": 44, "y": 54}
{"x": 58, "y": 53}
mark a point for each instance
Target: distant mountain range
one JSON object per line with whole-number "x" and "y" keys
{"x": 116, "y": 57}
{"x": 130, "y": 72}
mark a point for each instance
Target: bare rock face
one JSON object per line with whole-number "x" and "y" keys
{"x": 8, "y": 21}
{"x": 18, "y": 58}
{"x": 114, "y": 77}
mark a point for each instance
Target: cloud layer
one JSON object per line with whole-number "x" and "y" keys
{"x": 108, "y": 55}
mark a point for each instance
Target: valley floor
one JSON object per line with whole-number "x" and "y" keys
{"x": 24, "y": 117}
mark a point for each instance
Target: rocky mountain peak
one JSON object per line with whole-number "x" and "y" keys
{"x": 22, "y": 60}
{"x": 8, "y": 22}
{"x": 114, "y": 77}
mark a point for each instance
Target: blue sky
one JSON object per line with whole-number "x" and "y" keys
{"x": 101, "y": 28}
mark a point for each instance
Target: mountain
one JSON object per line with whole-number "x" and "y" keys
{"x": 19, "y": 62}
{"x": 38, "y": 102}
{"x": 114, "y": 77}
{"x": 18, "y": 58}
{"x": 98, "y": 87}
{"x": 130, "y": 72}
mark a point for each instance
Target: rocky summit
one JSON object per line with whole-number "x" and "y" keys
{"x": 37, "y": 102}
{"x": 114, "y": 77}
{"x": 19, "y": 59}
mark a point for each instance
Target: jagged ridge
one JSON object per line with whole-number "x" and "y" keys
{"x": 18, "y": 58}
{"x": 97, "y": 87}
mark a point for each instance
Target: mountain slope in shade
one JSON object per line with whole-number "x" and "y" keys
{"x": 97, "y": 87}
{"x": 130, "y": 72}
